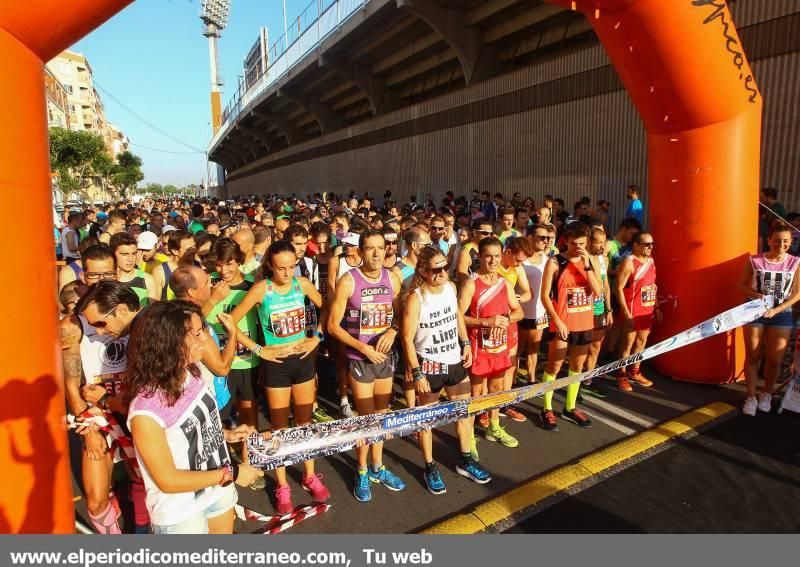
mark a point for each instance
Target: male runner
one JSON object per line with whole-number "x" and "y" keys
{"x": 117, "y": 220}
{"x": 247, "y": 241}
{"x": 468, "y": 259}
{"x": 180, "y": 250}
{"x": 366, "y": 300}
{"x": 126, "y": 251}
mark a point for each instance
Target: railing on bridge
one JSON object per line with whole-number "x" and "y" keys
{"x": 304, "y": 33}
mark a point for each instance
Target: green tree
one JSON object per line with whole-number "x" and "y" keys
{"x": 154, "y": 188}
{"x": 74, "y": 155}
{"x": 128, "y": 172}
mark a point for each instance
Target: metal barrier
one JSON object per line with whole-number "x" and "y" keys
{"x": 304, "y": 33}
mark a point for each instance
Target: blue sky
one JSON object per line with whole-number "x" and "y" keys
{"x": 153, "y": 59}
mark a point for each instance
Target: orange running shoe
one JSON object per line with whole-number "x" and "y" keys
{"x": 483, "y": 420}
{"x": 640, "y": 379}
{"x": 623, "y": 384}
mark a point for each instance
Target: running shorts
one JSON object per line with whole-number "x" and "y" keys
{"x": 292, "y": 371}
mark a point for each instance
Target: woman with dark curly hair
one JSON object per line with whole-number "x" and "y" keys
{"x": 175, "y": 423}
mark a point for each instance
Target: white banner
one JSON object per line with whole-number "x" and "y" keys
{"x": 290, "y": 446}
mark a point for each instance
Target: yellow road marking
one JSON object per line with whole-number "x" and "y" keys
{"x": 501, "y": 507}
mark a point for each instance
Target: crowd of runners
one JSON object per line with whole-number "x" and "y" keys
{"x": 182, "y": 319}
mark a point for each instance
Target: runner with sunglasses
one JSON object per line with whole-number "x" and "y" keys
{"x": 490, "y": 306}
{"x": 637, "y": 294}
{"x": 603, "y": 317}
{"x": 392, "y": 258}
{"x": 568, "y": 286}
{"x": 437, "y": 232}
{"x": 535, "y": 319}
{"x": 94, "y": 341}
{"x": 438, "y": 351}
{"x": 469, "y": 259}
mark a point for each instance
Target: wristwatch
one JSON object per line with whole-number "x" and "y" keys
{"x": 227, "y": 475}
{"x": 465, "y": 343}
{"x": 257, "y": 350}
{"x": 416, "y": 374}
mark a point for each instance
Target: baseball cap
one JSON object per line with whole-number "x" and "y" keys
{"x": 102, "y": 216}
{"x": 173, "y": 214}
{"x": 168, "y": 228}
{"x": 351, "y": 238}
{"x": 147, "y": 240}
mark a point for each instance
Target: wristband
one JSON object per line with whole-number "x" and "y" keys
{"x": 227, "y": 475}
{"x": 589, "y": 268}
{"x": 257, "y": 350}
{"x": 465, "y": 343}
{"x": 416, "y": 374}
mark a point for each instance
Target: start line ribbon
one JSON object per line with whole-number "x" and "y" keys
{"x": 291, "y": 446}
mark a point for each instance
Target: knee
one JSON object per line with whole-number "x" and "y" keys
{"x": 96, "y": 500}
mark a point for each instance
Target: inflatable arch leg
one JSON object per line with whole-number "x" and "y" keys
{"x": 685, "y": 70}
{"x": 37, "y": 493}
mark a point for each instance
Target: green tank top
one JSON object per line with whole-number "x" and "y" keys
{"x": 248, "y": 324}
{"x": 283, "y": 316}
{"x": 139, "y": 287}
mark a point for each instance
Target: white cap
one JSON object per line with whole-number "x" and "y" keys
{"x": 147, "y": 240}
{"x": 351, "y": 238}
{"x": 168, "y": 228}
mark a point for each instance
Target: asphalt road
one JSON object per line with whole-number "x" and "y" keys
{"x": 414, "y": 509}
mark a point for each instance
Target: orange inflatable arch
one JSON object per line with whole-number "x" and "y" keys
{"x": 683, "y": 66}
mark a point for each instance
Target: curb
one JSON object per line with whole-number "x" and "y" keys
{"x": 499, "y": 513}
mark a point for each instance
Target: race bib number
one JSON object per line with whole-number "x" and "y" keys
{"x": 543, "y": 322}
{"x": 648, "y": 295}
{"x": 375, "y": 318}
{"x": 431, "y": 367}
{"x": 288, "y": 322}
{"x": 494, "y": 340}
{"x": 578, "y": 300}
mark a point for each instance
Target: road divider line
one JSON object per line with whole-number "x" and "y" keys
{"x": 570, "y": 477}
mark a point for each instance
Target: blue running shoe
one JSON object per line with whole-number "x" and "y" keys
{"x": 433, "y": 480}
{"x": 362, "y": 490}
{"x": 469, "y": 468}
{"x": 387, "y": 478}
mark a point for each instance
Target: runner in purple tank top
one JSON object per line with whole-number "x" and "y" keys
{"x": 365, "y": 301}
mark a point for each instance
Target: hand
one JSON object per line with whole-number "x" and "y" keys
{"x": 92, "y": 393}
{"x": 660, "y": 317}
{"x": 95, "y": 445}
{"x": 584, "y": 254}
{"x": 466, "y": 356}
{"x": 422, "y": 386}
{"x": 275, "y": 354}
{"x": 308, "y": 345}
{"x": 609, "y": 319}
{"x": 373, "y": 355}
{"x": 408, "y": 377}
{"x": 628, "y": 320}
{"x": 220, "y": 291}
{"x": 83, "y": 428}
{"x": 386, "y": 341}
{"x": 239, "y": 433}
{"x": 771, "y": 313}
{"x": 248, "y": 475}
{"x": 563, "y": 331}
{"x": 227, "y": 322}
{"x": 497, "y": 321}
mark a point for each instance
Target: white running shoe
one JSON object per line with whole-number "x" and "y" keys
{"x": 346, "y": 410}
{"x": 765, "y": 402}
{"x": 750, "y": 405}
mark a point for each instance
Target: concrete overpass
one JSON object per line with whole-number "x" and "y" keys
{"x": 424, "y": 96}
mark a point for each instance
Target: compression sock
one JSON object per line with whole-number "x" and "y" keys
{"x": 572, "y": 393}
{"x": 494, "y": 423}
{"x": 105, "y": 522}
{"x": 140, "y": 515}
{"x": 548, "y": 397}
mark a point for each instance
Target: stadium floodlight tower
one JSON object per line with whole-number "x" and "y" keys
{"x": 215, "y": 18}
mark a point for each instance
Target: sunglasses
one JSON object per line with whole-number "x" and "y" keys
{"x": 440, "y": 269}
{"x": 102, "y": 323}
{"x": 540, "y": 238}
{"x": 646, "y": 244}
{"x": 484, "y": 231}
{"x": 437, "y": 228}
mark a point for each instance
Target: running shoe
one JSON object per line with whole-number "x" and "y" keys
{"x": 319, "y": 415}
{"x": 522, "y": 376}
{"x": 549, "y": 421}
{"x": 283, "y": 500}
{"x": 258, "y": 484}
{"x": 750, "y": 405}
{"x": 387, "y": 478}
{"x": 473, "y": 449}
{"x": 623, "y": 384}
{"x": 346, "y": 410}
{"x": 483, "y": 420}
{"x": 577, "y": 417}
{"x": 640, "y": 380}
{"x": 470, "y": 468}
{"x": 499, "y": 434}
{"x": 593, "y": 390}
{"x": 362, "y": 490}
{"x": 433, "y": 480}
{"x": 319, "y": 491}
{"x": 512, "y": 413}
{"x": 765, "y": 402}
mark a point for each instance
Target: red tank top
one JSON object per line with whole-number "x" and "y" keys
{"x": 573, "y": 302}
{"x": 489, "y": 346}
{"x": 640, "y": 289}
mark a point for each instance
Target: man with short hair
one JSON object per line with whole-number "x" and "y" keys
{"x": 437, "y": 232}
{"x": 197, "y": 219}
{"x": 180, "y": 250}
{"x": 469, "y": 260}
{"x": 117, "y": 219}
{"x": 522, "y": 218}
{"x": 261, "y": 234}
{"x": 126, "y": 253}
{"x": 70, "y": 237}
{"x": 635, "y": 208}
{"x": 297, "y": 236}
{"x": 99, "y": 264}
{"x": 506, "y": 222}
{"x": 247, "y": 241}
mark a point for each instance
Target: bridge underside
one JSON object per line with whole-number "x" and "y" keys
{"x": 502, "y": 95}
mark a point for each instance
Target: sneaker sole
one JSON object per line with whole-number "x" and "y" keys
{"x": 496, "y": 440}
{"x": 435, "y": 492}
{"x": 581, "y": 424}
{"x": 316, "y": 499}
{"x": 466, "y": 474}
{"x": 359, "y": 499}
{"x": 393, "y": 489}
